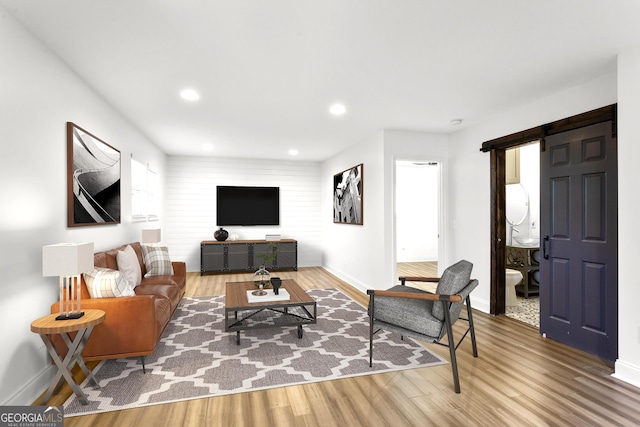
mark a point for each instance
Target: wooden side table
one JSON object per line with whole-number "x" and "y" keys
{"x": 47, "y": 326}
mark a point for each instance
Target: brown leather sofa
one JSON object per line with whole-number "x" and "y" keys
{"x": 133, "y": 325}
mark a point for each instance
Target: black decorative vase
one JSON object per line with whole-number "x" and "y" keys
{"x": 221, "y": 234}
{"x": 276, "y": 282}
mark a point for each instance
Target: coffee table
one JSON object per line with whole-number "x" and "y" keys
{"x": 241, "y": 315}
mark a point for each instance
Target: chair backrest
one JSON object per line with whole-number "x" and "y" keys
{"x": 454, "y": 279}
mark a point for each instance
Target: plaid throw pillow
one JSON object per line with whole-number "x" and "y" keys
{"x": 157, "y": 261}
{"x": 107, "y": 283}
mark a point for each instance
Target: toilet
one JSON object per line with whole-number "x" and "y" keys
{"x": 512, "y": 278}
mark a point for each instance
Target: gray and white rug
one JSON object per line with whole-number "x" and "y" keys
{"x": 196, "y": 358}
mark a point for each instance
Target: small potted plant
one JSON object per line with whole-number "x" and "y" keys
{"x": 268, "y": 257}
{"x": 262, "y": 277}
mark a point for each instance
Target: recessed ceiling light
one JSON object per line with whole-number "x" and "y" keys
{"x": 190, "y": 95}
{"x": 293, "y": 152}
{"x": 455, "y": 122}
{"x": 207, "y": 147}
{"x": 337, "y": 109}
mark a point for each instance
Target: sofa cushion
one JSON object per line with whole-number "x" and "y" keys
{"x": 177, "y": 281}
{"x": 413, "y": 314}
{"x": 157, "y": 261}
{"x": 180, "y": 281}
{"x": 169, "y": 291}
{"x": 129, "y": 266}
{"x": 100, "y": 260}
{"x": 107, "y": 283}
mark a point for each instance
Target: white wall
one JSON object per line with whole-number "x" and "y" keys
{"x": 38, "y": 95}
{"x": 191, "y": 206}
{"x": 355, "y": 253}
{"x": 628, "y": 363}
{"x": 530, "y": 180}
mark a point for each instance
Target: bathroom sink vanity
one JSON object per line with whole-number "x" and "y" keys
{"x": 527, "y": 261}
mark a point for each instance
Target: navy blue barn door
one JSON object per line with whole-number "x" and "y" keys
{"x": 579, "y": 231}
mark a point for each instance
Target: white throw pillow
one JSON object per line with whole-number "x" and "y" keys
{"x": 129, "y": 265}
{"x": 156, "y": 260}
{"x": 107, "y": 283}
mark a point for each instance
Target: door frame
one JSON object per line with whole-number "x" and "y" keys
{"x": 440, "y": 188}
{"x": 497, "y": 148}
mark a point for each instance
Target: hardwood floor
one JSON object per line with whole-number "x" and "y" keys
{"x": 421, "y": 268}
{"x": 519, "y": 379}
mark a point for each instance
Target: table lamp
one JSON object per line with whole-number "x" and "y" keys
{"x": 68, "y": 260}
{"x": 151, "y": 235}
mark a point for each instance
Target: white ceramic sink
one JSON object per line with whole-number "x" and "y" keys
{"x": 526, "y": 242}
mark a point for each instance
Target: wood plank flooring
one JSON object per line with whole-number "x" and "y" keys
{"x": 519, "y": 379}
{"x": 422, "y": 268}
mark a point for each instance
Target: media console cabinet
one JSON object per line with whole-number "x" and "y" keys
{"x": 245, "y": 255}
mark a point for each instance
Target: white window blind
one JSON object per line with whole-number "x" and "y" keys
{"x": 153, "y": 187}
{"x": 145, "y": 185}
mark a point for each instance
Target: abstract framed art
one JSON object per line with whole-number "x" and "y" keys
{"x": 347, "y": 196}
{"x": 93, "y": 179}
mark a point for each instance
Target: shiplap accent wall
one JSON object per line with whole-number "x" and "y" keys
{"x": 190, "y": 212}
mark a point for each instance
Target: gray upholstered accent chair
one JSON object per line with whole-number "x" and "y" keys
{"x": 423, "y": 315}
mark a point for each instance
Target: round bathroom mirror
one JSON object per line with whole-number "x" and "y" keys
{"x": 517, "y": 204}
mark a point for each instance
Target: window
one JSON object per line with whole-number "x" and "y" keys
{"x": 145, "y": 185}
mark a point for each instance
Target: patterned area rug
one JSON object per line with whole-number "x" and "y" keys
{"x": 196, "y": 358}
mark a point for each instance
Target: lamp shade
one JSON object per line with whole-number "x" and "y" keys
{"x": 67, "y": 259}
{"x": 151, "y": 236}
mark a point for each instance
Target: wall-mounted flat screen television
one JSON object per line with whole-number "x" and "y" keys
{"x": 247, "y": 205}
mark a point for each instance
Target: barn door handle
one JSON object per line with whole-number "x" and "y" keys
{"x": 545, "y": 242}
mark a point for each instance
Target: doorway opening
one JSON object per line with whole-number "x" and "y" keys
{"x": 522, "y": 214}
{"x": 417, "y": 218}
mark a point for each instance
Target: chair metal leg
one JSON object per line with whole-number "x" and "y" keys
{"x": 452, "y": 347}
{"x": 471, "y": 328}
{"x": 371, "y": 331}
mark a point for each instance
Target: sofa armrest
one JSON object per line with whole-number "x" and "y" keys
{"x": 129, "y": 328}
{"x": 179, "y": 268}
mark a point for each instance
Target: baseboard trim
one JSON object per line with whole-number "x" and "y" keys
{"x": 480, "y": 304}
{"x": 31, "y": 391}
{"x": 346, "y": 278}
{"x": 627, "y": 372}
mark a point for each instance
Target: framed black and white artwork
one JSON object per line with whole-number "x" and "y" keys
{"x": 347, "y": 196}
{"x": 93, "y": 179}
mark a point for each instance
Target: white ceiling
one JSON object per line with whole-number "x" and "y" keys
{"x": 267, "y": 70}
